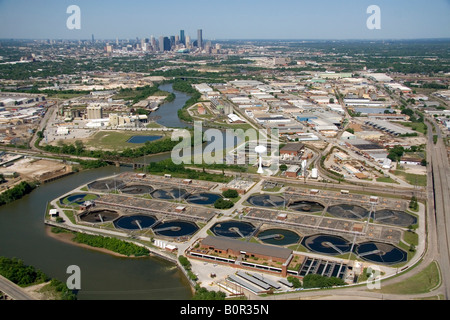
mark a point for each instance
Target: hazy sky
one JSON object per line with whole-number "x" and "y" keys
{"x": 226, "y": 19}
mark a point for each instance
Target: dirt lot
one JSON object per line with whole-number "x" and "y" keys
{"x": 34, "y": 169}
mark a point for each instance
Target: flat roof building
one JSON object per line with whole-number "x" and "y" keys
{"x": 237, "y": 248}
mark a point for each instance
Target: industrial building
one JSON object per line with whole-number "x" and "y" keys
{"x": 235, "y": 248}
{"x": 389, "y": 127}
{"x": 292, "y": 149}
{"x": 94, "y": 112}
{"x": 292, "y": 171}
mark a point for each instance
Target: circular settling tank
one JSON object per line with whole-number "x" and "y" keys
{"x": 327, "y": 244}
{"x": 169, "y": 194}
{"x": 176, "y": 228}
{"x": 203, "y": 198}
{"x": 107, "y": 184}
{"x": 136, "y": 189}
{"x": 394, "y": 217}
{"x": 135, "y": 222}
{"x": 382, "y": 253}
{"x": 77, "y": 199}
{"x": 305, "y": 206}
{"x": 348, "y": 211}
{"x": 233, "y": 229}
{"x": 266, "y": 200}
{"x": 99, "y": 216}
{"x": 281, "y": 237}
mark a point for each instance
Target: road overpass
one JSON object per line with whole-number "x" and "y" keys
{"x": 13, "y": 291}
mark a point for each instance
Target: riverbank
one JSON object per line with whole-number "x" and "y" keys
{"x": 67, "y": 237}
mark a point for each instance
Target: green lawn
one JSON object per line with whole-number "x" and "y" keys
{"x": 117, "y": 140}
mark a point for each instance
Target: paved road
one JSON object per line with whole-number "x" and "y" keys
{"x": 13, "y": 291}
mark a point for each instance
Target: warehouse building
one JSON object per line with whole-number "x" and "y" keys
{"x": 389, "y": 127}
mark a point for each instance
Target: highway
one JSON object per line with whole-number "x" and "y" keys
{"x": 440, "y": 176}
{"x": 13, "y": 291}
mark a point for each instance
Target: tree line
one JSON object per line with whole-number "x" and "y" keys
{"x": 16, "y": 192}
{"x": 167, "y": 166}
{"x": 78, "y": 149}
{"x": 113, "y": 244}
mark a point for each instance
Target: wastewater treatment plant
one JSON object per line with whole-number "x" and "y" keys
{"x": 292, "y": 232}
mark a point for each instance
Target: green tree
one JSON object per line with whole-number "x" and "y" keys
{"x": 223, "y": 204}
{"x": 230, "y": 193}
{"x": 295, "y": 282}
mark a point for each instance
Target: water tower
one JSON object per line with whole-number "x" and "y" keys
{"x": 260, "y": 150}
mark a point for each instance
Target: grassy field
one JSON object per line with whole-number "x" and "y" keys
{"x": 422, "y": 282}
{"x": 386, "y": 180}
{"x": 416, "y": 126}
{"x": 117, "y": 140}
{"x": 414, "y": 179}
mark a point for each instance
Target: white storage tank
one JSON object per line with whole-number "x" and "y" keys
{"x": 314, "y": 173}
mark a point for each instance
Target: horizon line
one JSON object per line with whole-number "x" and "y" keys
{"x": 242, "y": 39}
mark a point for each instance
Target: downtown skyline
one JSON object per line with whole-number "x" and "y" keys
{"x": 285, "y": 20}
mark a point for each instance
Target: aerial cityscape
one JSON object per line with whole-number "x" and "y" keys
{"x": 207, "y": 154}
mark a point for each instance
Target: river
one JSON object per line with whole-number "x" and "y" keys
{"x": 167, "y": 112}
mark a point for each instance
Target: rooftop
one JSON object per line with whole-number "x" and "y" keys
{"x": 249, "y": 247}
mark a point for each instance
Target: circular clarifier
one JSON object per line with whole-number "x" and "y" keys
{"x": 203, "y": 198}
{"x": 233, "y": 229}
{"x": 136, "y": 189}
{"x": 135, "y": 222}
{"x": 176, "y": 228}
{"x": 280, "y": 237}
{"x": 107, "y": 184}
{"x": 327, "y": 244}
{"x": 381, "y": 253}
{"x": 348, "y": 211}
{"x": 169, "y": 194}
{"x": 306, "y": 206}
{"x": 394, "y": 217}
{"x": 266, "y": 200}
{"x": 99, "y": 216}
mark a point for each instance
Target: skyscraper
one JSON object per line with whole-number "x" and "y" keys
{"x": 164, "y": 44}
{"x": 188, "y": 42}
{"x": 182, "y": 38}
{"x": 200, "y": 38}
